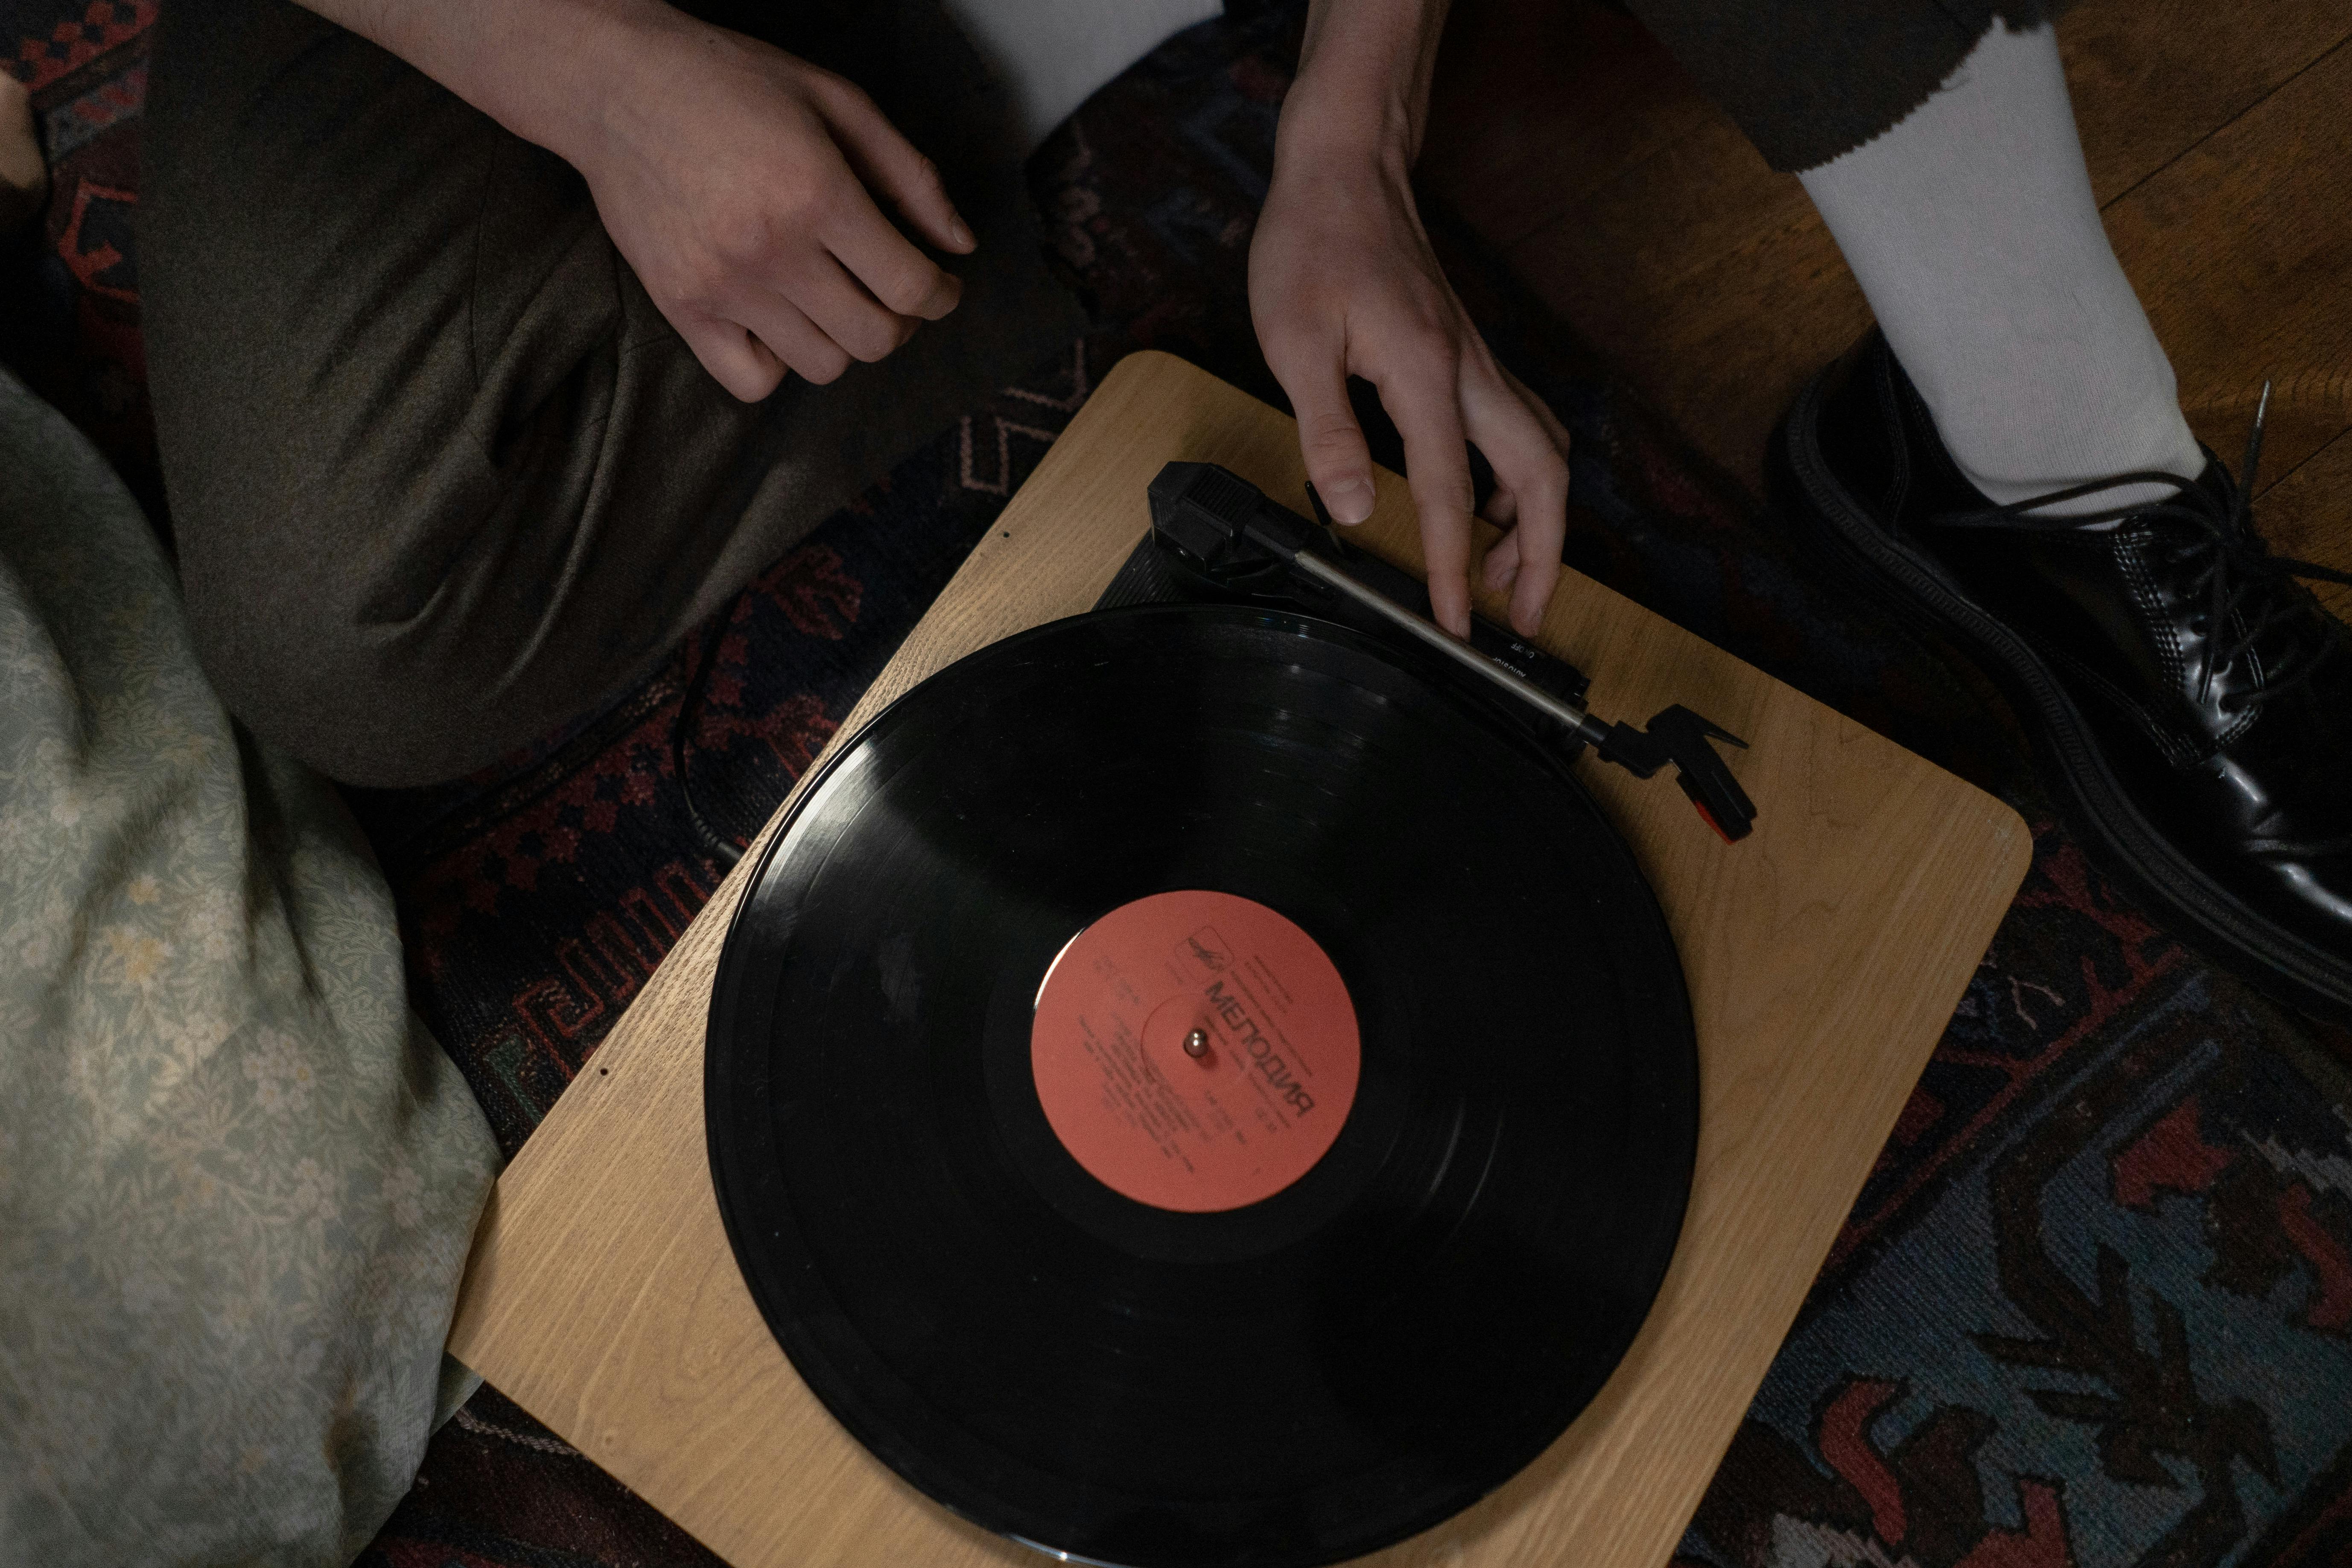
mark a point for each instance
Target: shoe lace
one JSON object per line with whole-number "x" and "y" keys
{"x": 2247, "y": 589}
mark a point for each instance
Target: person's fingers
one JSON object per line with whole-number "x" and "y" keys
{"x": 1337, "y": 461}
{"x": 846, "y": 313}
{"x": 1500, "y": 419}
{"x": 793, "y": 338}
{"x": 1428, "y": 414}
{"x": 1558, "y": 435}
{"x": 889, "y": 166}
{"x": 24, "y": 173}
{"x": 1535, "y": 406}
{"x": 1502, "y": 563}
{"x": 900, "y": 277}
{"x": 735, "y": 359}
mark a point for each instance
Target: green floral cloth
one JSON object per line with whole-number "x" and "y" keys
{"x": 238, "y": 1178}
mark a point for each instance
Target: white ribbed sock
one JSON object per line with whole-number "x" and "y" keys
{"x": 1973, "y": 232}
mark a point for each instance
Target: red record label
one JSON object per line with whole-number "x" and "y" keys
{"x": 1195, "y": 1051}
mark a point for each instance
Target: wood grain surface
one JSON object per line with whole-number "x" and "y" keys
{"x": 1824, "y": 955}
{"x": 2219, "y": 149}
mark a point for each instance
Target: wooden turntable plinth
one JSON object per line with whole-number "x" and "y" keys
{"x": 1824, "y": 955}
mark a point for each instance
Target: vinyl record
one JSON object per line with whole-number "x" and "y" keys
{"x": 1316, "y": 1287}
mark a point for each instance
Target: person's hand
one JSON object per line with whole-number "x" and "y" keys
{"x": 1343, "y": 283}
{"x": 741, "y": 185}
{"x": 23, "y": 176}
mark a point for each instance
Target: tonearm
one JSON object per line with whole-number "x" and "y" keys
{"x": 1225, "y": 528}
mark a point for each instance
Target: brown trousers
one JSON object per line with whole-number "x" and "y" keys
{"x": 441, "y": 476}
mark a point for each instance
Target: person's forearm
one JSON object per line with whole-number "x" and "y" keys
{"x": 1363, "y": 77}
{"x": 545, "y": 69}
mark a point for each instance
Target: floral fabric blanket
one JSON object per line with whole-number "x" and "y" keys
{"x": 238, "y": 1178}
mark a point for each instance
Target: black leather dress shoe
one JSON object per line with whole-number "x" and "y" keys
{"x": 2190, "y": 701}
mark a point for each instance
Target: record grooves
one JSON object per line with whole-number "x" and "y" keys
{"x": 1302, "y": 1376}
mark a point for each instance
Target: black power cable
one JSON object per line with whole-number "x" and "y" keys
{"x": 724, "y": 850}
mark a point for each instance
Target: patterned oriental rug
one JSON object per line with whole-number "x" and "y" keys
{"x": 2094, "y": 1306}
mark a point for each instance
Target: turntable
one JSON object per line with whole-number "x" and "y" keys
{"x": 1040, "y": 981}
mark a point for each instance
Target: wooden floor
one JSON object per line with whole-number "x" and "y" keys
{"x": 2219, "y": 140}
